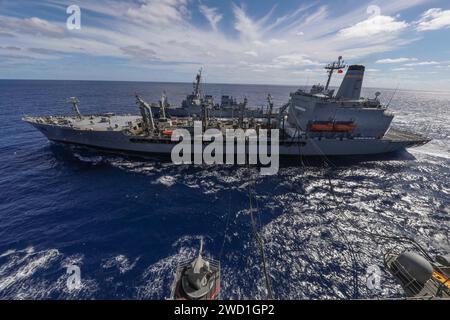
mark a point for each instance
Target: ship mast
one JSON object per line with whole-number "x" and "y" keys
{"x": 242, "y": 107}
{"x": 198, "y": 79}
{"x": 270, "y": 102}
{"x": 336, "y": 65}
{"x": 162, "y": 105}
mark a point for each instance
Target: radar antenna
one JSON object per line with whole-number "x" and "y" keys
{"x": 197, "y": 83}
{"x": 242, "y": 107}
{"x": 336, "y": 65}
{"x": 377, "y": 95}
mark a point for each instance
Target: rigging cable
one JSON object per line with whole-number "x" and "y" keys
{"x": 226, "y": 224}
{"x": 261, "y": 247}
{"x": 393, "y": 95}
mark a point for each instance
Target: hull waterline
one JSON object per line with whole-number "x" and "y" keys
{"x": 119, "y": 141}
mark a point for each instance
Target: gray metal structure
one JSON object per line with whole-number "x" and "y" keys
{"x": 197, "y": 280}
{"x": 421, "y": 276}
{"x": 195, "y": 103}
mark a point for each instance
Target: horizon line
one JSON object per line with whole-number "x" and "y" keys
{"x": 214, "y": 83}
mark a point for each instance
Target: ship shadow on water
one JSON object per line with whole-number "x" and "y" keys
{"x": 74, "y": 155}
{"x": 345, "y": 161}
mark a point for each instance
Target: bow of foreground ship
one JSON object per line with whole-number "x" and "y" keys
{"x": 314, "y": 123}
{"x": 197, "y": 280}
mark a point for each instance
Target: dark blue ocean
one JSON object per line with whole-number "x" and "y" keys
{"x": 127, "y": 222}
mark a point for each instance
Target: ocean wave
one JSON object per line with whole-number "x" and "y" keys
{"x": 88, "y": 159}
{"x": 167, "y": 181}
{"x": 23, "y": 265}
{"x": 120, "y": 262}
{"x": 30, "y": 274}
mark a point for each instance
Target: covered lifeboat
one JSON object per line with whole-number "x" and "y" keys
{"x": 329, "y": 126}
{"x": 321, "y": 126}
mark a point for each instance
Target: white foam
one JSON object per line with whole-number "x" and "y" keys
{"x": 120, "y": 262}
{"x": 433, "y": 153}
{"x": 7, "y": 253}
{"x": 36, "y": 261}
{"x": 93, "y": 159}
{"x": 435, "y": 148}
{"x": 167, "y": 181}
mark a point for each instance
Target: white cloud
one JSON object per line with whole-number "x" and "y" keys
{"x": 374, "y": 26}
{"x": 395, "y": 60}
{"x": 33, "y": 26}
{"x": 161, "y": 12}
{"x": 277, "y": 41}
{"x": 309, "y": 71}
{"x": 139, "y": 53}
{"x": 294, "y": 59}
{"x": 212, "y": 15}
{"x": 402, "y": 69}
{"x": 162, "y": 35}
{"x": 434, "y": 19}
{"x": 423, "y": 63}
{"x": 251, "y": 53}
{"x": 249, "y": 29}
{"x": 289, "y": 19}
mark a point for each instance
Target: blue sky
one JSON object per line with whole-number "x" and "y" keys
{"x": 253, "y": 41}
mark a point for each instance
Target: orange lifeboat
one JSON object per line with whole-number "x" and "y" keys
{"x": 321, "y": 126}
{"x": 344, "y": 126}
{"x": 167, "y": 133}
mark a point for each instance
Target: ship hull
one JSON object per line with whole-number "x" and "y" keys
{"x": 121, "y": 142}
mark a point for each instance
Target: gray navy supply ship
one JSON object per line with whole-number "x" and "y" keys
{"x": 315, "y": 123}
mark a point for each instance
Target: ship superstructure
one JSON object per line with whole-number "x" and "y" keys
{"x": 321, "y": 113}
{"x": 196, "y": 101}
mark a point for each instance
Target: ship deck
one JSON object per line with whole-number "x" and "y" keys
{"x": 120, "y": 122}
{"x": 414, "y": 139}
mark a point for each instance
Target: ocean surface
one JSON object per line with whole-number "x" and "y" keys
{"x": 126, "y": 222}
